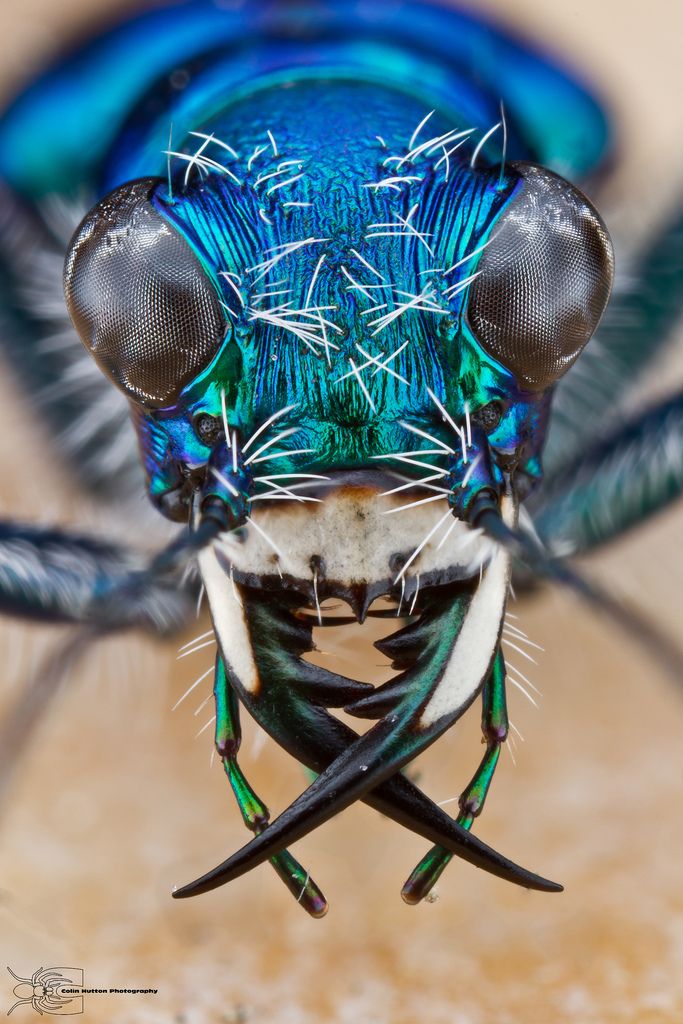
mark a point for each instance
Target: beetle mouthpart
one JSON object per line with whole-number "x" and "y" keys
{"x": 359, "y": 543}
{"x": 446, "y": 654}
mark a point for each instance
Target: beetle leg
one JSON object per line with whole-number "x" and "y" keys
{"x": 494, "y": 725}
{"x": 615, "y": 483}
{"x": 254, "y": 812}
{"x": 57, "y": 576}
{"x": 50, "y": 575}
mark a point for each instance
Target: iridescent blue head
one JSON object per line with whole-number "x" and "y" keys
{"x": 333, "y": 260}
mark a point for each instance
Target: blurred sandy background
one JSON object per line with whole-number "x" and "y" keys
{"x": 117, "y": 803}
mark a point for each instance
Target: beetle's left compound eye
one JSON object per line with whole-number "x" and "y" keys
{"x": 139, "y": 298}
{"x": 544, "y": 279}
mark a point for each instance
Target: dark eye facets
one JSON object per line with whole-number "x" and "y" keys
{"x": 139, "y": 298}
{"x": 543, "y": 280}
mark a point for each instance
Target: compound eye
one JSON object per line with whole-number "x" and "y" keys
{"x": 545, "y": 280}
{"x": 139, "y": 298}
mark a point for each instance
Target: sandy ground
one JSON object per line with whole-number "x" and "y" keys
{"x": 116, "y": 801}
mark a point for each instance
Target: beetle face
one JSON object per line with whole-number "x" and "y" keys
{"x": 348, "y": 348}
{"x": 441, "y": 301}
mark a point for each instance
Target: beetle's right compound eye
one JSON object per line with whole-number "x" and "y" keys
{"x": 140, "y": 299}
{"x": 543, "y": 280}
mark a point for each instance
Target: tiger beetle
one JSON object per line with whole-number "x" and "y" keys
{"x": 331, "y": 263}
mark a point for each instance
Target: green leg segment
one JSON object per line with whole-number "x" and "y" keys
{"x": 255, "y": 814}
{"x": 494, "y": 724}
